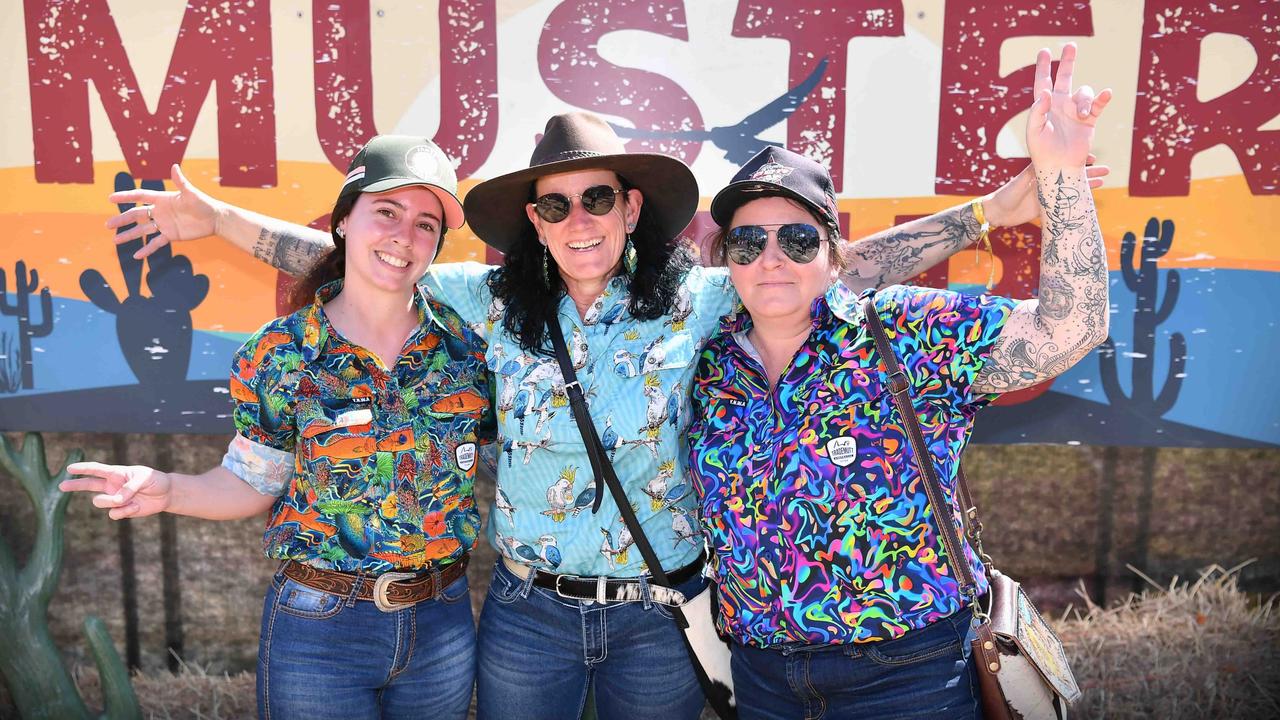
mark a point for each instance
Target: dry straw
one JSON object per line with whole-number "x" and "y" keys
{"x": 1194, "y": 650}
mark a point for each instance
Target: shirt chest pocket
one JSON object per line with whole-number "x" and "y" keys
{"x": 336, "y": 429}
{"x": 647, "y": 355}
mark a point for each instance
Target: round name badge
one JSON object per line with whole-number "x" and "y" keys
{"x": 842, "y": 451}
{"x": 465, "y": 454}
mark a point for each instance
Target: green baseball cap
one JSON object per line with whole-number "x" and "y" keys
{"x": 390, "y": 162}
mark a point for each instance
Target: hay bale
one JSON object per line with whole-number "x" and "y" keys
{"x": 1200, "y": 649}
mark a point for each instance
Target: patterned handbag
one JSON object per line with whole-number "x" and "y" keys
{"x": 1022, "y": 668}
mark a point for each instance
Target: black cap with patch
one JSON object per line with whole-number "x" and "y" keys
{"x": 778, "y": 171}
{"x": 390, "y": 162}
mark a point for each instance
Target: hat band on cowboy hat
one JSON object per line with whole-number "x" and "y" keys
{"x": 391, "y": 162}
{"x": 582, "y": 141}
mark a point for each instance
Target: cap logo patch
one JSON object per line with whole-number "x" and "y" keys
{"x": 771, "y": 172}
{"x": 422, "y": 162}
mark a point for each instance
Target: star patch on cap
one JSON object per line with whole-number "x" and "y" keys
{"x": 771, "y": 172}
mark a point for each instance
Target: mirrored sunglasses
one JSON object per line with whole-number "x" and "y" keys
{"x": 798, "y": 241}
{"x": 597, "y": 200}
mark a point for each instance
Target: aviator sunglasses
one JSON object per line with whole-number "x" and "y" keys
{"x": 597, "y": 200}
{"x": 798, "y": 241}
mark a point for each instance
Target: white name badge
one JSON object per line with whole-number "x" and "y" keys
{"x": 842, "y": 451}
{"x": 465, "y": 454}
{"x": 363, "y": 416}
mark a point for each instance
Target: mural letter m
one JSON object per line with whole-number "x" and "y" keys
{"x": 71, "y": 43}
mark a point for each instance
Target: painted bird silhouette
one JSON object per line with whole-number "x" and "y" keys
{"x": 741, "y": 140}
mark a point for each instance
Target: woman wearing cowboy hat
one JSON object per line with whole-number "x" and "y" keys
{"x": 588, "y": 231}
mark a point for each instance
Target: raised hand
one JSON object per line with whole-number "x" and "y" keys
{"x": 182, "y": 214}
{"x": 125, "y": 491}
{"x": 1060, "y": 126}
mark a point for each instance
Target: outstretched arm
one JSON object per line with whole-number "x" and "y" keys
{"x": 1043, "y": 337}
{"x": 903, "y": 251}
{"x": 189, "y": 214}
{"x": 137, "y": 491}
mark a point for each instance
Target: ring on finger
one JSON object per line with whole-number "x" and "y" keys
{"x": 151, "y": 218}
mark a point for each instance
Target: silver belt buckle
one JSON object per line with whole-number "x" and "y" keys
{"x": 380, "y": 599}
{"x": 561, "y": 592}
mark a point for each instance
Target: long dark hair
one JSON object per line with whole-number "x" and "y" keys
{"x": 334, "y": 263}
{"x": 661, "y": 265}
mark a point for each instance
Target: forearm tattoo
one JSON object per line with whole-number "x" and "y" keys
{"x": 1045, "y": 336}
{"x": 288, "y": 251}
{"x": 904, "y": 251}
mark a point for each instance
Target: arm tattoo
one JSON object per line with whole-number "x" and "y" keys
{"x": 904, "y": 251}
{"x": 287, "y": 251}
{"x": 1045, "y": 336}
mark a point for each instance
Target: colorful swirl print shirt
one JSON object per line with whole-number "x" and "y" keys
{"x": 374, "y": 466}
{"x": 636, "y": 376}
{"x": 819, "y": 524}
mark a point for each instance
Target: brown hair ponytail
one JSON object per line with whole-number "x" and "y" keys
{"x": 330, "y": 267}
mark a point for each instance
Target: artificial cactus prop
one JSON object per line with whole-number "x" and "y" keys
{"x": 1143, "y": 278}
{"x": 154, "y": 332}
{"x": 38, "y": 683}
{"x": 24, "y": 286}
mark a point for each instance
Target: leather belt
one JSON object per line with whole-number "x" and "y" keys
{"x": 390, "y": 591}
{"x": 605, "y": 589}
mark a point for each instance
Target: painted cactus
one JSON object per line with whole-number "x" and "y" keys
{"x": 1143, "y": 278}
{"x": 24, "y": 286}
{"x": 29, "y": 662}
{"x": 154, "y": 332}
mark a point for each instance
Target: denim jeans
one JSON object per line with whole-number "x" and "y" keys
{"x": 927, "y": 673}
{"x": 331, "y": 656}
{"x": 539, "y": 652}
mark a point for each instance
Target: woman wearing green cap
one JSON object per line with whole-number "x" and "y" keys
{"x": 357, "y": 419}
{"x": 589, "y": 233}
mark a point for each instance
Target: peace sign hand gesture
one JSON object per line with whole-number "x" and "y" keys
{"x": 1060, "y": 126}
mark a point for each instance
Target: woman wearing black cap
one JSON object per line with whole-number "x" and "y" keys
{"x": 589, "y": 235}
{"x": 357, "y": 419}
{"x": 834, "y": 581}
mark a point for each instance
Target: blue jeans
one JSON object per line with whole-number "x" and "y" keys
{"x": 539, "y": 652}
{"x": 331, "y": 656}
{"x": 927, "y": 673}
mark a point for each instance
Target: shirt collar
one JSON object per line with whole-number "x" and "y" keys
{"x": 317, "y": 330}
{"x": 839, "y": 301}
{"x": 615, "y": 292}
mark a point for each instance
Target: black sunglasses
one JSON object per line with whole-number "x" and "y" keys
{"x": 798, "y": 241}
{"x": 597, "y": 200}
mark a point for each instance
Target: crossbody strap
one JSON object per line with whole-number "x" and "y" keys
{"x": 900, "y": 388}
{"x": 601, "y": 466}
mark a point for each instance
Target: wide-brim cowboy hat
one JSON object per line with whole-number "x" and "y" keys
{"x": 582, "y": 141}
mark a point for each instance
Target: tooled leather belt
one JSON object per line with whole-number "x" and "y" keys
{"x": 390, "y": 591}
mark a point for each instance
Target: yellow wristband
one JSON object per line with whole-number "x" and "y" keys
{"x": 984, "y": 238}
{"x": 978, "y": 214}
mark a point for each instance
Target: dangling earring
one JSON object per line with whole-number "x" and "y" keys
{"x": 546, "y": 274}
{"x": 629, "y": 254}
{"x": 340, "y": 232}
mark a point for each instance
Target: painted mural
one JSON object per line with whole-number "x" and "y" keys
{"x": 914, "y": 106}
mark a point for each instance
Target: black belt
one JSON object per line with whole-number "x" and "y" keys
{"x": 615, "y": 589}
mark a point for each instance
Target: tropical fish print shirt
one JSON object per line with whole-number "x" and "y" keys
{"x": 820, "y": 528}
{"x": 635, "y": 375}
{"x": 373, "y": 467}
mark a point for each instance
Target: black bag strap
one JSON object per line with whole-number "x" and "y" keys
{"x": 900, "y": 388}
{"x": 602, "y": 468}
